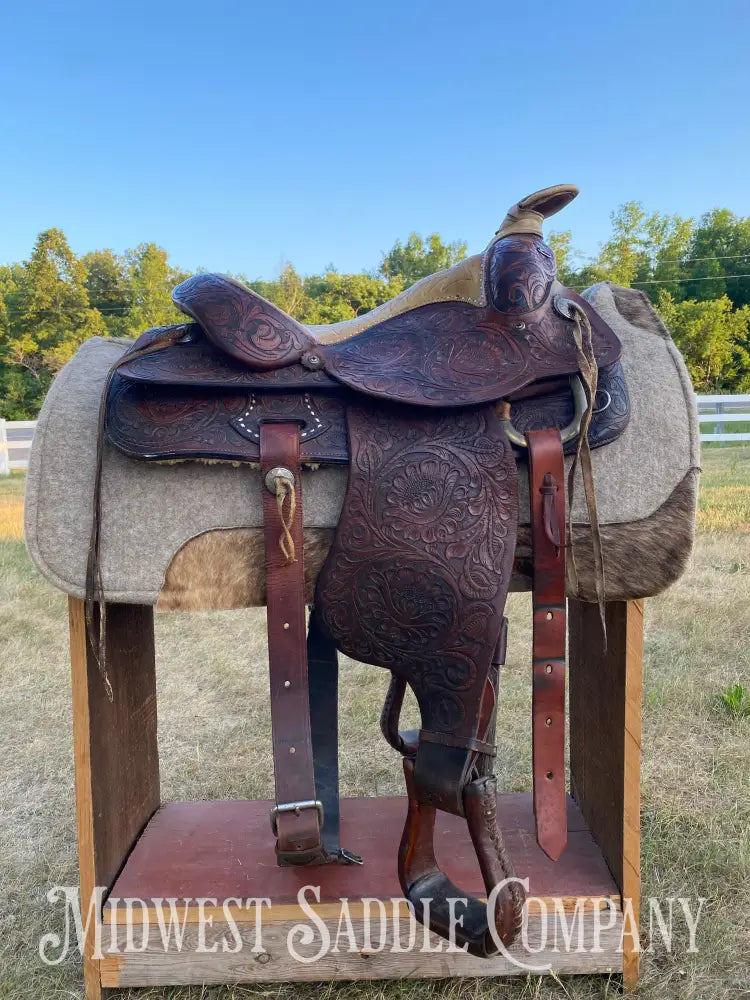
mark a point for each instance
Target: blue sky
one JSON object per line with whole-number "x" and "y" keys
{"x": 240, "y": 135}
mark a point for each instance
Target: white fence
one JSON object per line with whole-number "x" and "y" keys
{"x": 16, "y": 435}
{"x": 722, "y": 410}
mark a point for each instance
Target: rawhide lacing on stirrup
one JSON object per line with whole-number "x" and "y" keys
{"x": 437, "y": 902}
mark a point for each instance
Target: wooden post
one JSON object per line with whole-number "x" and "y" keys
{"x": 605, "y": 743}
{"x": 116, "y": 756}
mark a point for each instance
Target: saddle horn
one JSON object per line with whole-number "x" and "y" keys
{"x": 527, "y": 215}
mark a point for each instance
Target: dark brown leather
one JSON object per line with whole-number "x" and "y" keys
{"x": 182, "y": 420}
{"x": 243, "y": 325}
{"x": 298, "y": 833}
{"x": 547, "y": 496}
{"x": 417, "y": 577}
{"x": 452, "y": 354}
{"x": 418, "y": 573}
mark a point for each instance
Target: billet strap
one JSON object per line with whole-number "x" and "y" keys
{"x": 462, "y": 742}
{"x": 298, "y": 815}
{"x": 547, "y": 498}
{"x": 323, "y": 688}
{"x": 430, "y": 891}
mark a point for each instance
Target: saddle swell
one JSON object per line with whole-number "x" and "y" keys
{"x": 431, "y": 400}
{"x": 244, "y": 326}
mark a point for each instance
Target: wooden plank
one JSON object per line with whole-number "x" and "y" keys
{"x": 217, "y": 851}
{"x": 723, "y": 418}
{"x": 122, "y": 913}
{"x": 723, "y": 399}
{"x": 225, "y": 849}
{"x": 605, "y": 742}
{"x": 723, "y": 437}
{"x": 356, "y": 958}
{"x": 116, "y": 756}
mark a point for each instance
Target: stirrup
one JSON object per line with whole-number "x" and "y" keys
{"x": 431, "y": 892}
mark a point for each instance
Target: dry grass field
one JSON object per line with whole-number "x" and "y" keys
{"x": 214, "y": 736}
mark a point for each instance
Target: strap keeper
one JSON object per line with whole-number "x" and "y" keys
{"x": 462, "y": 742}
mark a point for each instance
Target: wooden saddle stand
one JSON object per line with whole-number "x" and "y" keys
{"x": 429, "y": 403}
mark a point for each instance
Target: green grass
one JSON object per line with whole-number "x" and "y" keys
{"x": 11, "y": 505}
{"x": 724, "y": 503}
{"x": 215, "y": 742}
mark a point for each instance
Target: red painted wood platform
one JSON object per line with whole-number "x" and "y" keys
{"x": 225, "y": 849}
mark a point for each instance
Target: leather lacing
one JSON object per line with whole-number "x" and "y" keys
{"x": 514, "y": 888}
{"x": 589, "y": 371}
{"x": 285, "y": 490}
{"x": 96, "y": 628}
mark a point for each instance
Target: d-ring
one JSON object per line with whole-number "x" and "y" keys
{"x": 567, "y": 433}
{"x": 601, "y": 409}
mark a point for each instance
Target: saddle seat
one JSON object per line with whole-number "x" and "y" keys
{"x": 482, "y": 330}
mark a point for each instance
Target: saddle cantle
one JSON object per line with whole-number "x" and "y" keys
{"x": 430, "y": 399}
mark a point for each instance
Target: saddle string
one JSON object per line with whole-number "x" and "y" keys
{"x": 285, "y": 488}
{"x": 96, "y": 631}
{"x": 589, "y": 371}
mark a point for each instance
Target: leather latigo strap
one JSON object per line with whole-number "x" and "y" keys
{"x": 323, "y": 677}
{"x": 297, "y": 817}
{"x": 547, "y": 497}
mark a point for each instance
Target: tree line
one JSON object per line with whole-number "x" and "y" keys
{"x": 696, "y": 272}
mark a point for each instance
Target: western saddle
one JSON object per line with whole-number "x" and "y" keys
{"x": 429, "y": 400}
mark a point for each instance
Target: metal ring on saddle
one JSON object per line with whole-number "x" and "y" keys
{"x": 601, "y": 409}
{"x": 567, "y": 433}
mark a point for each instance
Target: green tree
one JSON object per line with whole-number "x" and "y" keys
{"x": 108, "y": 286}
{"x": 720, "y": 250}
{"x": 288, "y": 293}
{"x": 643, "y": 248}
{"x": 565, "y": 255}
{"x": 417, "y": 258}
{"x": 670, "y": 237}
{"x": 48, "y": 318}
{"x": 339, "y": 297}
{"x": 714, "y": 340}
{"x": 624, "y": 257}
{"x": 150, "y": 282}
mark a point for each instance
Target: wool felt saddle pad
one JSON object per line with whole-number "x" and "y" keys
{"x": 189, "y": 535}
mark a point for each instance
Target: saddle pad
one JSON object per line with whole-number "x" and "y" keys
{"x": 646, "y": 484}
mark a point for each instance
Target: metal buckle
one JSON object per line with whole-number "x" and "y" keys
{"x": 567, "y": 433}
{"x": 296, "y": 808}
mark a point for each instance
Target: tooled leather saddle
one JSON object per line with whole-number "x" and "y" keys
{"x": 429, "y": 400}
